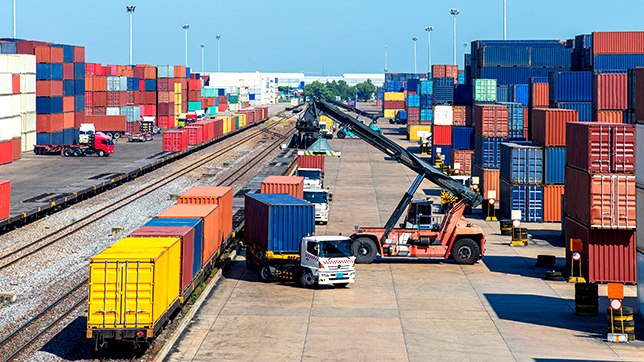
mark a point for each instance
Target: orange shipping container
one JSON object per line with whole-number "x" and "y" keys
{"x": 618, "y": 42}
{"x": 491, "y": 120}
{"x": 464, "y": 160}
{"x": 552, "y": 202}
{"x": 609, "y": 116}
{"x": 209, "y": 214}
{"x": 488, "y": 180}
{"x": 539, "y": 95}
{"x": 462, "y": 115}
{"x": 549, "y": 126}
{"x": 291, "y": 185}
{"x": 217, "y": 195}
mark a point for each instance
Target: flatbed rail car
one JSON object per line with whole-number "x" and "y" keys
{"x": 39, "y": 206}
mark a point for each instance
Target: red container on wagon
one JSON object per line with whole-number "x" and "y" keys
{"x": 491, "y": 120}
{"x": 219, "y": 127}
{"x": 464, "y": 159}
{"x": 195, "y": 135}
{"x": 175, "y": 141}
{"x": 291, "y": 185}
{"x": 601, "y": 147}
{"x": 552, "y": 202}
{"x": 601, "y": 200}
{"x": 442, "y": 135}
{"x": 187, "y": 235}
{"x": 549, "y": 126}
{"x": 310, "y": 161}
{"x": 610, "y": 91}
{"x": 608, "y": 256}
{"x": 5, "y": 197}
{"x": 618, "y": 42}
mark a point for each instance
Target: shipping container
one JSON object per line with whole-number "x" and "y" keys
{"x": 601, "y": 147}
{"x": 488, "y": 181}
{"x": 137, "y": 279}
{"x": 549, "y": 126}
{"x": 602, "y": 201}
{"x": 462, "y": 138}
{"x": 506, "y": 75}
{"x": 640, "y": 280}
{"x": 290, "y": 185}
{"x": 196, "y": 225}
{"x": 5, "y": 198}
{"x": 553, "y": 165}
{"x": 442, "y": 135}
{"x": 487, "y": 151}
{"x": 526, "y": 198}
{"x": 444, "y": 152}
{"x": 175, "y": 141}
{"x": 484, "y": 90}
{"x": 491, "y": 120}
{"x": 608, "y": 256}
{"x": 539, "y": 95}
{"x": 610, "y": 91}
{"x": 213, "y": 195}
{"x": 584, "y": 109}
{"x": 462, "y": 161}
{"x": 639, "y": 150}
{"x": 570, "y": 87}
{"x": 462, "y": 114}
{"x": 521, "y": 163}
{"x": 551, "y": 57}
{"x": 609, "y": 116}
{"x": 443, "y": 115}
{"x": 276, "y": 223}
{"x": 493, "y": 56}
{"x": 419, "y": 131}
{"x": 212, "y": 233}
{"x": 519, "y": 93}
{"x": 618, "y": 42}
{"x": 515, "y": 116}
{"x": 552, "y": 202}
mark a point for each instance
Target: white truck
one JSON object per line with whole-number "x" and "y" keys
{"x": 312, "y": 178}
{"x": 321, "y": 199}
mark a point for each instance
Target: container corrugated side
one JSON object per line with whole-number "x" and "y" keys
{"x": 554, "y": 165}
{"x": 601, "y": 147}
{"x": 491, "y": 120}
{"x": 417, "y": 131}
{"x": 639, "y": 150}
{"x": 5, "y": 198}
{"x": 570, "y": 87}
{"x": 552, "y": 202}
{"x": 310, "y": 161}
{"x": 291, "y": 185}
{"x": 442, "y": 135}
{"x": 487, "y": 151}
{"x": 549, "y": 126}
{"x": 608, "y": 256}
{"x": 539, "y": 97}
{"x": 488, "y": 179}
{"x": 639, "y": 198}
{"x": 504, "y": 56}
{"x": 462, "y": 159}
{"x": 462, "y": 138}
{"x": 527, "y": 198}
{"x": 277, "y": 222}
{"x": 133, "y": 272}
{"x": 602, "y": 201}
{"x": 213, "y": 195}
{"x": 196, "y": 224}
{"x": 618, "y": 42}
{"x": 610, "y": 91}
{"x": 640, "y": 280}
{"x": 521, "y": 163}
{"x": 584, "y": 109}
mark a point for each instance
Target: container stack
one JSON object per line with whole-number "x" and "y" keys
{"x": 600, "y": 200}
{"x": 194, "y": 93}
{"x": 609, "y": 51}
{"x": 521, "y": 178}
{"x": 610, "y": 97}
{"x": 491, "y": 129}
{"x": 637, "y": 100}
{"x": 165, "y": 88}
{"x": 572, "y": 90}
{"x": 17, "y": 105}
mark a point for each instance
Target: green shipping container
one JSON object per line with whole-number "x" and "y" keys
{"x": 212, "y": 111}
{"x": 236, "y": 122}
{"x": 233, "y": 98}
{"x": 484, "y": 90}
{"x": 194, "y": 106}
{"x": 203, "y": 92}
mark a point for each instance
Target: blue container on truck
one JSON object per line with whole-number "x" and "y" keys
{"x": 521, "y": 163}
{"x": 43, "y": 138}
{"x": 445, "y": 152}
{"x": 519, "y": 93}
{"x": 570, "y": 87}
{"x": 554, "y": 165}
{"x": 196, "y": 224}
{"x": 402, "y": 114}
{"x": 527, "y": 198}
{"x": 70, "y": 136}
{"x": 462, "y": 138}
{"x": 584, "y": 109}
{"x": 487, "y": 151}
{"x": 278, "y": 222}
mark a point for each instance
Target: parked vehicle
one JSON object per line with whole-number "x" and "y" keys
{"x": 312, "y": 178}
{"x": 321, "y": 199}
{"x": 97, "y": 144}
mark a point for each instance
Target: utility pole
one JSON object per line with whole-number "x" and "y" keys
{"x": 454, "y": 12}
{"x": 415, "y": 38}
{"x": 186, "y": 27}
{"x": 386, "y": 69}
{"x": 130, "y": 10}
{"x": 202, "y": 56}
{"x": 218, "y": 37}
{"x": 504, "y": 22}
{"x": 429, "y": 29}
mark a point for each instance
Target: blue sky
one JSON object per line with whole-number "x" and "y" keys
{"x": 306, "y": 35}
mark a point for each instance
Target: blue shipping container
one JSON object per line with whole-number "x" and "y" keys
{"x": 443, "y": 94}
{"x": 277, "y": 222}
{"x": 57, "y": 72}
{"x": 504, "y": 56}
{"x": 79, "y": 70}
{"x": 570, "y": 87}
{"x": 43, "y": 71}
{"x": 461, "y": 78}
{"x": 79, "y": 87}
{"x": 520, "y": 93}
{"x": 487, "y": 151}
{"x": 413, "y": 85}
{"x": 542, "y": 72}
{"x": 584, "y": 109}
{"x": 413, "y": 100}
{"x": 49, "y": 105}
{"x": 443, "y": 82}
{"x": 608, "y": 62}
{"x": 150, "y": 85}
{"x": 402, "y": 114}
{"x": 68, "y": 54}
{"x": 7, "y": 48}
{"x": 444, "y": 151}
{"x": 554, "y": 165}
{"x": 68, "y": 88}
{"x": 462, "y": 138}
{"x": 502, "y": 93}
{"x": 506, "y": 75}
{"x": 193, "y": 223}
{"x": 538, "y": 80}
{"x": 43, "y": 138}
{"x": 57, "y": 138}
{"x": 426, "y": 101}
{"x": 521, "y": 164}
{"x": 79, "y": 104}
{"x": 527, "y": 198}
{"x": 515, "y": 116}
{"x": 549, "y": 57}
{"x": 70, "y": 136}
{"x": 463, "y": 94}
{"x": 426, "y": 115}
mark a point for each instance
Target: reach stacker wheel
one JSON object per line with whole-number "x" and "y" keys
{"x": 341, "y": 134}
{"x": 365, "y": 250}
{"x": 465, "y": 251}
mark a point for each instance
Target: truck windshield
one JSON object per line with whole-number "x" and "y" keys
{"x": 315, "y": 197}
{"x": 336, "y": 249}
{"x": 309, "y": 174}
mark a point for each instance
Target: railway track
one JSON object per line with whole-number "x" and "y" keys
{"x": 21, "y": 339}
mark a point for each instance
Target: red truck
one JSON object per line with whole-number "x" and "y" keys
{"x": 98, "y": 144}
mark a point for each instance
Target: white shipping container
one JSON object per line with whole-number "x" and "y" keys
{"x": 233, "y": 107}
{"x": 639, "y": 154}
{"x": 10, "y": 63}
{"x": 29, "y": 122}
{"x": 27, "y": 64}
{"x": 30, "y": 84}
{"x": 28, "y": 141}
{"x": 6, "y": 84}
{"x": 27, "y": 103}
{"x": 113, "y": 111}
{"x": 640, "y": 282}
{"x": 5, "y": 129}
{"x": 5, "y": 106}
{"x": 16, "y": 126}
{"x": 443, "y": 115}
{"x": 15, "y": 105}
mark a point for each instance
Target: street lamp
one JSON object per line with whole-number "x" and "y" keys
{"x": 218, "y": 37}
{"x": 414, "y": 38}
{"x": 386, "y": 69}
{"x": 454, "y": 12}
{"x": 429, "y": 29}
{"x": 14, "y": 19}
{"x": 202, "y": 49}
{"x": 186, "y": 27}
{"x": 130, "y": 10}
{"x": 504, "y": 23}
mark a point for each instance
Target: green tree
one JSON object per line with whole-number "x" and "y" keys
{"x": 366, "y": 89}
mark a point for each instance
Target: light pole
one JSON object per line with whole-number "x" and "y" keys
{"x": 504, "y": 23}
{"x": 130, "y": 9}
{"x": 218, "y": 37}
{"x": 454, "y": 12}
{"x": 414, "y": 38}
{"x": 386, "y": 69}
{"x": 186, "y": 27}
{"x": 14, "y": 19}
{"x": 429, "y": 29}
{"x": 202, "y": 49}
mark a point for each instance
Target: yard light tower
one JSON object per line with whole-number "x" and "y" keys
{"x": 203, "y": 46}
{"x": 14, "y": 19}
{"x": 386, "y": 69}
{"x": 218, "y": 37}
{"x": 415, "y": 38}
{"x": 130, "y": 10}
{"x": 504, "y": 21}
{"x": 186, "y": 27}
{"x": 429, "y": 29}
{"x": 454, "y": 12}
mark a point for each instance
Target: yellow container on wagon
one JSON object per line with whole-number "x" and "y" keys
{"x": 133, "y": 284}
{"x": 242, "y": 119}
{"x": 416, "y": 132}
{"x": 394, "y": 96}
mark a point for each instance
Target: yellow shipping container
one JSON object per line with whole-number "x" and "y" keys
{"x": 395, "y": 96}
{"x": 390, "y": 113}
{"x": 226, "y": 123}
{"x": 133, "y": 283}
{"x": 328, "y": 121}
{"x": 416, "y": 132}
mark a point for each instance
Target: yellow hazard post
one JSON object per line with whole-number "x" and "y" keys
{"x": 491, "y": 208}
{"x": 576, "y": 247}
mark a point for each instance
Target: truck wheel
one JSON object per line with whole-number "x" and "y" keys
{"x": 116, "y": 135}
{"x": 68, "y": 152}
{"x": 307, "y": 280}
{"x": 264, "y": 273}
{"x": 78, "y": 153}
{"x": 101, "y": 153}
{"x": 341, "y": 134}
{"x": 365, "y": 250}
{"x": 341, "y": 285}
{"x": 466, "y": 251}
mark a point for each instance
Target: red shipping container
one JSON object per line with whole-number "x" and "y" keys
{"x": 610, "y": 91}
{"x": 47, "y": 54}
{"x": 187, "y": 235}
{"x": 221, "y": 108}
{"x": 175, "y": 141}
{"x": 99, "y": 99}
{"x": 68, "y": 120}
{"x": 491, "y": 120}
{"x": 17, "y": 148}
{"x": 488, "y": 180}
{"x": 219, "y": 127}
{"x": 208, "y": 129}
{"x": 165, "y": 122}
{"x": 539, "y": 95}
{"x": 79, "y": 118}
{"x": 549, "y": 126}
{"x": 601, "y": 147}
{"x": 602, "y": 201}
{"x": 28, "y": 46}
{"x": 49, "y": 88}
{"x": 133, "y": 127}
{"x": 442, "y": 135}
{"x": 609, "y": 116}
{"x": 68, "y": 71}
{"x": 310, "y": 161}
{"x": 107, "y": 123}
{"x": 552, "y": 202}
{"x": 462, "y": 115}
{"x": 413, "y": 114}
{"x": 195, "y": 135}
{"x": 15, "y": 84}
{"x": 6, "y": 152}
{"x": 394, "y": 104}
{"x": 608, "y": 256}
{"x": 291, "y": 185}
{"x": 68, "y": 104}
{"x": 79, "y": 54}
{"x": 49, "y": 123}
{"x": 5, "y": 196}
{"x": 464, "y": 160}
{"x": 618, "y": 42}
{"x": 89, "y": 96}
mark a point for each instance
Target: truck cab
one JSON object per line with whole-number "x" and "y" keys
{"x": 312, "y": 178}
{"x": 85, "y": 131}
{"x": 103, "y": 144}
{"x": 320, "y": 198}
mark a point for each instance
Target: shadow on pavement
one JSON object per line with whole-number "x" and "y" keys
{"x": 523, "y": 266}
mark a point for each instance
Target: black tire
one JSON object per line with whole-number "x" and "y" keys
{"x": 68, "y": 152}
{"x": 264, "y": 273}
{"x": 306, "y": 279}
{"x": 101, "y": 153}
{"x": 466, "y": 251}
{"x": 341, "y": 285}
{"x": 116, "y": 135}
{"x": 365, "y": 250}
{"x": 341, "y": 134}
{"x": 78, "y": 153}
